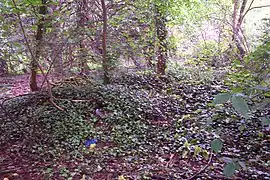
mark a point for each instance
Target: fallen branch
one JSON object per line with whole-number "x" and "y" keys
{"x": 55, "y": 105}
{"x": 78, "y": 100}
{"x": 204, "y": 168}
{"x": 171, "y": 160}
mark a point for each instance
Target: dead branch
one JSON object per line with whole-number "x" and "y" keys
{"x": 55, "y": 105}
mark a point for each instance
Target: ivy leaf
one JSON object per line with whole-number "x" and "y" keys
{"x": 216, "y": 145}
{"x": 229, "y": 170}
{"x": 240, "y": 105}
{"x": 222, "y": 98}
{"x": 33, "y": 2}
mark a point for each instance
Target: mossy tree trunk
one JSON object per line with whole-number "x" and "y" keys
{"x": 161, "y": 32}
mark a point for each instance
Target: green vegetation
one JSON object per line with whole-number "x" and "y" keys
{"x": 153, "y": 89}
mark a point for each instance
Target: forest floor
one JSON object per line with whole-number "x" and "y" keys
{"x": 11, "y": 86}
{"x": 143, "y": 126}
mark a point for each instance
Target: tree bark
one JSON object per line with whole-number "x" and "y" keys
{"x": 83, "y": 58}
{"x": 39, "y": 36}
{"x": 82, "y": 10}
{"x": 161, "y": 31}
{"x": 237, "y": 23}
{"x": 3, "y": 67}
{"x": 106, "y": 79}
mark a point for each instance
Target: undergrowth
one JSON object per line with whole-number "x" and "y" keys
{"x": 138, "y": 119}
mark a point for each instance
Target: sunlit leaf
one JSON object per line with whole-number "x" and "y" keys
{"x": 197, "y": 150}
{"x": 205, "y": 154}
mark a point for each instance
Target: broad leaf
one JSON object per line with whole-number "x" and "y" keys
{"x": 222, "y": 98}
{"x": 240, "y": 105}
{"x": 216, "y": 145}
{"x": 265, "y": 121}
{"x": 229, "y": 170}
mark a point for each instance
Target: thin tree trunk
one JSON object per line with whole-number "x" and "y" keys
{"x": 162, "y": 41}
{"x": 3, "y": 67}
{"x": 83, "y": 61}
{"x": 39, "y": 36}
{"x": 104, "y": 44}
{"x": 81, "y": 11}
{"x": 237, "y": 22}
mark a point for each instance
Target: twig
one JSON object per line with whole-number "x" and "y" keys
{"x": 204, "y": 168}
{"x": 3, "y": 172}
{"x": 171, "y": 160}
{"x": 256, "y": 7}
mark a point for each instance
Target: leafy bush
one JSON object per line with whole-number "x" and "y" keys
{"x": 249, "y": 82}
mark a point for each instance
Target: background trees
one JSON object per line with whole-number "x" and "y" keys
{"x": 70, "y": 34}
{"x": 136, "y": 80}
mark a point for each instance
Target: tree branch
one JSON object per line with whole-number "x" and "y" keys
{"x": 256, "y": 7}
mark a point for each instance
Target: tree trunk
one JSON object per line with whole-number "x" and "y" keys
{"x": 58, "y": 64}
{"x": 83, "y": 59}
{"x": 39, "y": 35}
{"x": 82, "y": 21}
{"x": 3, "y": 67}
{"x": 237, "y": 23}
{"x": 162, "y": 41}
{"x": 104, "y": 44}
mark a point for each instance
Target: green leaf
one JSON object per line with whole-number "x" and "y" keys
{"x": 265, "y": 121}
{"x": 216, "y": 145}
{"x": 222, "y": 98}
{"x": 205, "y": 154}
{"x": 237, "y": 90}
{"x": 33, "y": 2}
{"x": 229, "y": 170}
{"x": 240, "y": 105}
{"x": 197, "y": 150}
